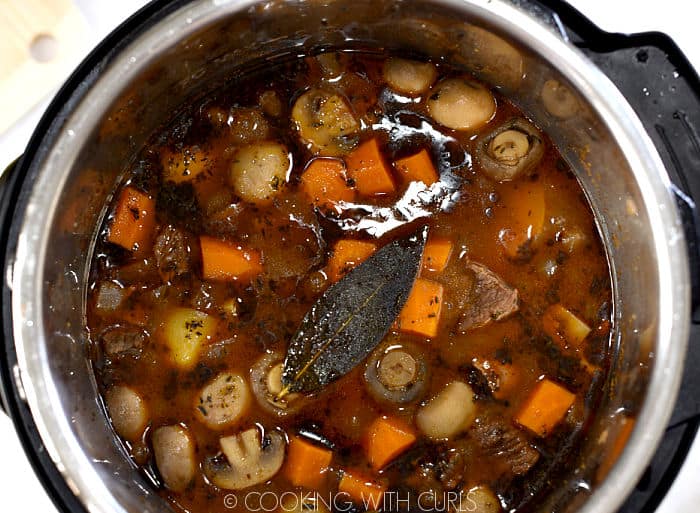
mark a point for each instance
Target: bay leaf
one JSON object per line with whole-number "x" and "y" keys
{"x": 350, "y": 319}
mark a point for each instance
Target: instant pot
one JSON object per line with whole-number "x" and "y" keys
{"x": 624, "y": 111}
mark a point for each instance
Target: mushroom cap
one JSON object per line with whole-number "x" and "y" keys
{"x": 251, "y": 460}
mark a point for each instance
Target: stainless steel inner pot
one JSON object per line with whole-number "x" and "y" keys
{"x": 197, "y": 45}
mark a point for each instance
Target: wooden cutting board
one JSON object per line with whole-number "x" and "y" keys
{"x": 42, "y": 41}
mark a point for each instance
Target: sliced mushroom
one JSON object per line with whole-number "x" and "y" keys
{"x": 396, "y": 373}
{"x": 449, "y": 413}
{"x": 127, "y": 411}
{"x": 512, "y": 150}
{"x": 325, "y": 122}
{"x": 173, "y": 448}
{"x": 259, "y": 170}
{"x": 223, "y": 401}
{"x": 250, "y": 459}
{"x": 409, "y": 77}
{"x": 266, "y": 381}
{"x": 461, "y": 104}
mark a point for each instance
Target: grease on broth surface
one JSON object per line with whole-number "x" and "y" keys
{"x": 240, "y": 214}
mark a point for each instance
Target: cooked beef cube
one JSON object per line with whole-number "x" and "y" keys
{"x": 489, "y": 299}
{"x": 506, "y": 443}
{"x": 452, "y": 466}
{"x": 121, "y": 339}
{"x": 172, "y": 252}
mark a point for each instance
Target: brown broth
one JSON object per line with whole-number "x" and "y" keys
{"x": 271, "y": 307}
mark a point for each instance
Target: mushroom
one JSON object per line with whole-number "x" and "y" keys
{"x": 325, "y": 122}
{"x": 251, "y": 459}
{"x": 174, "y": 452}
{"x": 259, "y": 170}
{"x": 510, "y": 151}
{"x": 558, "y": 99}
{"x": 266, "y": 381}
{"x": 223, "y": 401}
{"x": 409, "y": 77}
{"x": 396, "y": 373}
{"x": 479, "y": 499}
{"x": 461, "y": 104}
{"x": 449, "y": 413}
{"x": 128, "y": 412}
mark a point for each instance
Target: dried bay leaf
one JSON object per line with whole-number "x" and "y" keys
{"x": 350, "y": 319}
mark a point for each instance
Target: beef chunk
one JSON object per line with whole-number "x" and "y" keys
{"x": 488, "y": 299}
{"x": 504, "y": 442}
{"x": 118, "y": 340}
{"x": 172, "y": 252}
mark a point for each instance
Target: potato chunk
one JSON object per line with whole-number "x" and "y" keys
{"x": 184, "y": 331}
{"x": 448, "y": 413}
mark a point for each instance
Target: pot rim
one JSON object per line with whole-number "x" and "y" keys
{"x": 154, "y": 37}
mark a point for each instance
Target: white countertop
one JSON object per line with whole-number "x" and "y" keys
{"x": 23, "y": 492}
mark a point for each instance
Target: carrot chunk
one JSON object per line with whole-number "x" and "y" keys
{"x": 564, "y": 327}
{"x": 362, "y": 490}
{"x": 545, "y": 408}
{"x": 228, "y": 262}
{"x": 134, "y": 221}
{"x": 348, "y": 253}
{"x": 325, "y": 183}
{"x": 307, "y": 464}
{"x": 387, "y": 437}
{"x": 524, "y": 209}
{"x": 417, "y": 168}
{"x": 369, "y": 172}
{"x": 421, "y": 313}
{"x": 436, "y": 255}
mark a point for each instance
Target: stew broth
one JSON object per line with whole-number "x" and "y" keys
{"x": 241, "y": 213}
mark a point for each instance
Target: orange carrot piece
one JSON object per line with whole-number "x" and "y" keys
{"x": 436, "y": 255}
{"x": 525, "y": 208}
{"x": 564, "y": 327}
{"x": 348, "y": 253}
{"x": 369, "y": 172}
{"x": 134, "y": 221}
{"x": 224, "y": 261}
{"x": 325, "y": 183}
{"x": 546, "y": 406}
{"x": 387, "y": 437}
{"x": 417, "y": 168}
{"x": 306, "y": 464}
{"x": 421, "y": 313}
{"x": 362, "y": 490}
